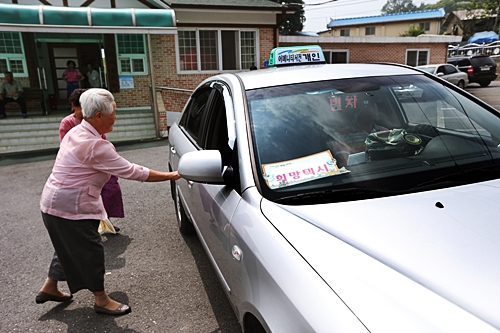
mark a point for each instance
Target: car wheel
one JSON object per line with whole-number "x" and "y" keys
{"x": 185, "y": 226}
{"x": 461, "y": 84}
{"x": 484, "y": 83}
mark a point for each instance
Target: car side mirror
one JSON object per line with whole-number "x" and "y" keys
{"x": 440, "y": 74}
{"x": 203, "y": 166}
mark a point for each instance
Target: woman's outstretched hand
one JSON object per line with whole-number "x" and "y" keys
{"x": 158, "y": 176}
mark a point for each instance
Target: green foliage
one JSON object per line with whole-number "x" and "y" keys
{"x": 398, "y": 6}
{"x": 292, "y": 22}
{"x": 449, "y": 5}
{"x": 485, "y": 14}
{"x": 414, "y": 31}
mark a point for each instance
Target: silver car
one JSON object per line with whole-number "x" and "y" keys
{"x": 449, "y": 73}
{"x": 344, "y": 198}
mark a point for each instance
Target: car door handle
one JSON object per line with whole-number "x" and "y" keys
{"x": 172, "y": 149}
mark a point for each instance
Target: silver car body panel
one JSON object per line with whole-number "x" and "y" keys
{"x": 261, "y": 282}
{"x": 412, "y": 261}
{"x": 290, "y": 75}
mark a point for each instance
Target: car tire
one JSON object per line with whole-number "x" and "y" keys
{"x": 461, "y": 84}
{"x": 484, "y": 83}
{"x": 185, "y": 226}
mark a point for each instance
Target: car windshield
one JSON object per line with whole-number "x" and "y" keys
{"x": 371, "y": 136}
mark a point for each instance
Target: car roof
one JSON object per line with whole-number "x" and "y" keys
{"x": 432, "y": 65}
{"x": 277, "y": 76}
{"x": 468, "y": 56}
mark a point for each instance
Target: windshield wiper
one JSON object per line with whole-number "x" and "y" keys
{"x": 337, "y": 195}
{"x": 462, "y": 177}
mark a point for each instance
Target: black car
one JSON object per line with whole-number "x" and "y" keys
{"x": 480, "y": 68}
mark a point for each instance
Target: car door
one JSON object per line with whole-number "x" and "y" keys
{"x": 212, "y": 206}
{"x": 451, "y": 74}
{"x": 186, "y": 136}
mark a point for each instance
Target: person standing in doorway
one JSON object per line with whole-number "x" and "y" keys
{"x": 11, "y": 91}
{"x": 72, "y": 76}
{"x": 93, "y": 76}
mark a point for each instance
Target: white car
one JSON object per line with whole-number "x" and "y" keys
{"x": 449, "y": 73}
{"x": 343, "y": 198}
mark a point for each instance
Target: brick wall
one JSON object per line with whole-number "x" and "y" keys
{"x": 165, "y": 68}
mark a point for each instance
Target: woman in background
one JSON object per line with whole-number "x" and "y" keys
{"x": 72, "y": 77}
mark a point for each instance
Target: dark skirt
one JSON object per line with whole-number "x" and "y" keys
{"x": 112, "y": 198}
{"x": 79, "y": 258}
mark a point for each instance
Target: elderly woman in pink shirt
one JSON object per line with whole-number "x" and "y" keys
{"x": 111, "y": 192}
{"x": 72, "y": 207}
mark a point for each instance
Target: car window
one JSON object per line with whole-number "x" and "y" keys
{"x": 448, "y": 69}
{"x": 481, "y": 61}
{"x": 392, "y": 133}
{"x": 463, "y": 62}
{"x": 192, "y": 117}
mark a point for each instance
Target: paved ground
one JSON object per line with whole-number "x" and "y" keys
{"x": 166, "y": 278}
{"x": 488, "y": 94}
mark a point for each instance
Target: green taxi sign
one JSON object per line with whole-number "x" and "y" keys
{"x": 296, "y": 55}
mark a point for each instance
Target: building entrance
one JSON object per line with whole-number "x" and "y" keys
{"x": 81, "y": 55}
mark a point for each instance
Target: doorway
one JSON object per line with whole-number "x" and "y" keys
{"x": 81, "y": 54}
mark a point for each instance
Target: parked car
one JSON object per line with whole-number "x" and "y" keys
{"x": 343, "y": 198}
{"x": 449, "y": 73}
{"x": 480, "y": 68}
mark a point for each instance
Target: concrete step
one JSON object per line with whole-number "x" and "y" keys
{"x": 19, "y": 134}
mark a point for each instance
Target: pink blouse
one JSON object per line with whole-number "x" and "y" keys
{"x": 83, "y": 165}
{"x": 67, "y": 123}
{"x": 72, "y": 75}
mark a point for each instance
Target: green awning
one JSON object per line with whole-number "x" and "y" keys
{"x": 41, "y": 18}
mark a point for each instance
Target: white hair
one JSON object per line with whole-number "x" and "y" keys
{"x": 96, "y": 100}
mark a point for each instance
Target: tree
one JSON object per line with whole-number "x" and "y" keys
{"x": 398, "y": 6}
{"x": 448, "y": 5}
{"x": 488, "y": 11}
{"x": 291, "y": 23}
{"x": 414, "y": 31}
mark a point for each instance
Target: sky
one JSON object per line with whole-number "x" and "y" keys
{"x": 317, "y": 17}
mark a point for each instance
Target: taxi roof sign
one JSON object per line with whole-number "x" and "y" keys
{"x": 296, "y": 55}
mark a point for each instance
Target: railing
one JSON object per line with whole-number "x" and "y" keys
{"x": 159, "y": 88}
{"x": 491, "y": 49}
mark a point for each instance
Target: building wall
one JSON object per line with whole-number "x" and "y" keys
{"x": 138, "y": 96}
{"x": 385, "y": 52}
{"x": 388, "y": 29}
{"x": 165, "y": 68}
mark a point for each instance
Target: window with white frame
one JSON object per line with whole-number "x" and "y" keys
{"x": 345, "y": 32}
{"x": 131, "y": 50}
{"x": 417, "y": 57}
{"x": 216, "y": 49}
{"x": 12, "y": 57}
{"x": 369, "y": 31}
{"x": 336, "y": 56}
{"x": 425, "y": 26}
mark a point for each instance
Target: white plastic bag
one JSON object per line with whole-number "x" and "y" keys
{"x": 106, "y": 227}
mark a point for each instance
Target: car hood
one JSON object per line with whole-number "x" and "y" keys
{"x": 422, "y": 262}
